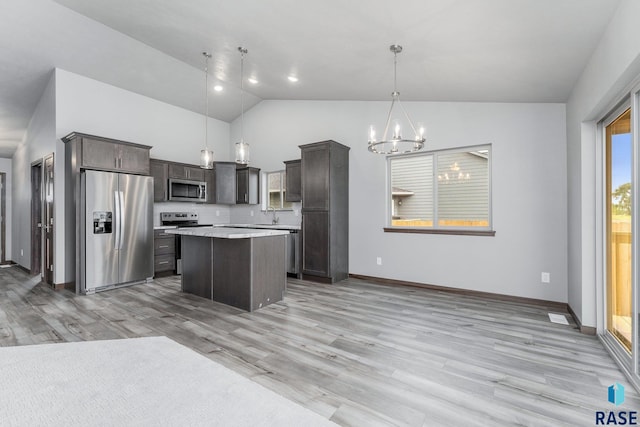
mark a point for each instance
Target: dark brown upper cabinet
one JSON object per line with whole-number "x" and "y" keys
{"x": 224, "y": 192}
{"x": 293, "y": 183}
{"x": 108, "y": 154}
{"x": 183, "y": 171}
{"x": 160, "y": 174}
{"x": 247, "y": 186}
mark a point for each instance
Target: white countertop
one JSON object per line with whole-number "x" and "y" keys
{"x": 265, "y": 226}
{"x": 226, "y": 232}
{"x": 164, "y": 227}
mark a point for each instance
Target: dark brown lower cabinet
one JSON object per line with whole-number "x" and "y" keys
{"x": 164, "y": 253}
{"x": 315, "y": 231}
{"x": 245, "y": 273}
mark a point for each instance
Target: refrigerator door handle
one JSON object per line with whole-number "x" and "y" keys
{"x": 122, "y": 217}
{"x": 116, "y": 214}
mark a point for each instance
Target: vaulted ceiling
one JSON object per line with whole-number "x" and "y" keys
{"x": 454, "y": 50}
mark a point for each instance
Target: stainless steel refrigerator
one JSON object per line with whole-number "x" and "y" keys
{"x": 117, "y": 229}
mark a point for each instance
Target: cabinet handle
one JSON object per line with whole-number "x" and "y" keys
{"x": 163, "y": 262}
{"x": 163, "y": 246}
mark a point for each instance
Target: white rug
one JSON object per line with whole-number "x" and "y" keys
{"x": 134, "y": 382}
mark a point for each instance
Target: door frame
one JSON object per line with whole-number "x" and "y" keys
{"x": 620, "y": 353}
{"x": 629, "y": 363}
{"x": 36, "y": 205}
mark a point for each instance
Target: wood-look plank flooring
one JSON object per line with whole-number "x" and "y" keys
{"x": 358, "y": 353}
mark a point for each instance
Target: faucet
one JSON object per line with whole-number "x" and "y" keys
{"x": 275, "y": 218}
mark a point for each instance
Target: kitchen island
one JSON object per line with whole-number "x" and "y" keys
{"x": 241, "y": 267}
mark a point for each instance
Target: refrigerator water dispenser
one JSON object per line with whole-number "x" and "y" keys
{"x": 102, "y": 221}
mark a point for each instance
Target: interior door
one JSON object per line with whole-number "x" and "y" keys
{"x": 101, "y": 226}
{"x": 36, "y": 218}
{"x": 136, "y": 248}
{"x": 48, "y": 222}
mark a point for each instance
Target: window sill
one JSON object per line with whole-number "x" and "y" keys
{"x": 489, "y": 233}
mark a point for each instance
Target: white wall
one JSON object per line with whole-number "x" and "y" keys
{"x": 529, "y": 189}
{"x": 612, "y": 68}
{"x": 5, "y": 166}
{"x": 89, "y": 106}
{"x": 38, "y": 142}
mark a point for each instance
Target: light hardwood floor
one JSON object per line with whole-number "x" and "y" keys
{"x": 358, "y": 353}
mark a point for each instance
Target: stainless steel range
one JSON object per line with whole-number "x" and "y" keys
{"x": 180, "y": 219}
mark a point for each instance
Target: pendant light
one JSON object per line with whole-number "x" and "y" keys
{"x": 206, "y": 155}
{"x": 242, "y": 148}
{"x": 396, "y": 144}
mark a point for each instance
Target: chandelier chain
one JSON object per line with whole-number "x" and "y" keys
{"x": 395, "y": 74}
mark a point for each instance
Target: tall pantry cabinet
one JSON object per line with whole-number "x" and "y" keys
{"x": 325, "y": 211}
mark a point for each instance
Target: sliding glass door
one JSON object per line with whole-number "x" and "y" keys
{"x": 619, "y": 230}
{"x": 620, "y": 217}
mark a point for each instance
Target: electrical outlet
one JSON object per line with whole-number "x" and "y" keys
{"x": 251, "y": 213}
{"x": 379, "y": 260}
{"x": 217, "y": 213}
{"x": 545, "y": 277}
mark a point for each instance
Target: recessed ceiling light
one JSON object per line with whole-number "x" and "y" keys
{"x": 217, "y": 88}
{"x": 293, "y": 79}
{"x": 253, "y": 80}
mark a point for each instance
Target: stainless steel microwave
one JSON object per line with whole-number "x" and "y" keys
{"x": 182, "y": 190}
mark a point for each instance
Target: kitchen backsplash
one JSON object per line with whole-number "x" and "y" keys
{"x": 208, "y": 214}
{"x": 241, "y": 214}
{"x": 223, "y": 214}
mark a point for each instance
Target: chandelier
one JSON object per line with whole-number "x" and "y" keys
{"x": 396, "y": 144}
{"x": 206, "y": 155}
{"x": 453, "y": 175}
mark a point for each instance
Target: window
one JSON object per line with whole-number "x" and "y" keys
{"x": 275, "y": 183}
{"x": 441, "y": 190}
